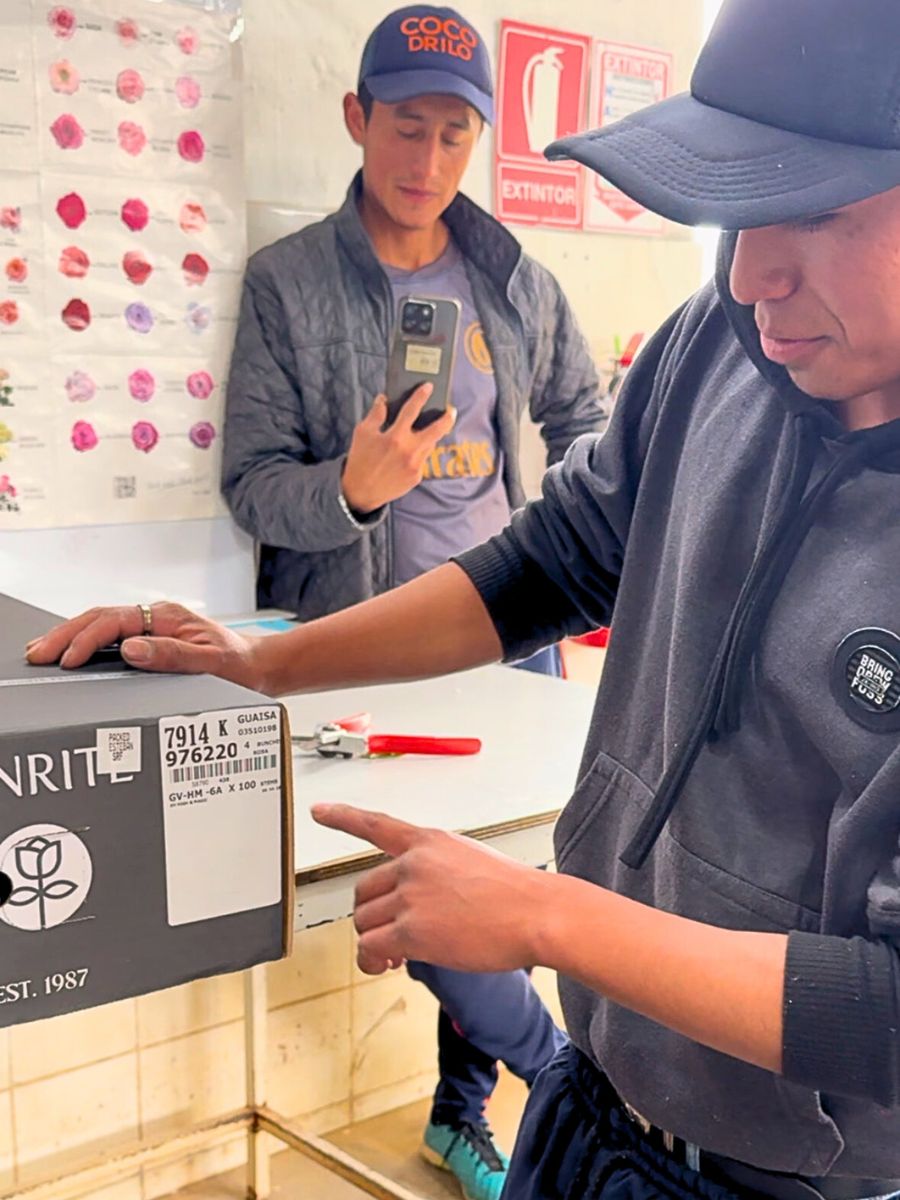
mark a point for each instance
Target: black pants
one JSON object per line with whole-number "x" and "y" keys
{"x": 576, "y": 1142}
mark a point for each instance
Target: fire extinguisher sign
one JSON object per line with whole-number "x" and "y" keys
{"x": 624, "y": 79}
{"x": 543, "y": 76}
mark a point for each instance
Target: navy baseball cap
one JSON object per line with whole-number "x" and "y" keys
{"x": 423, "y": 51}
{"x": 794, "y": 109}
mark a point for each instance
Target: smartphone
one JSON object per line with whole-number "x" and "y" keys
{"x": 422, "y": 351}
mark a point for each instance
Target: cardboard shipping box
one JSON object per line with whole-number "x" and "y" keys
{"x": 145, "y": 829}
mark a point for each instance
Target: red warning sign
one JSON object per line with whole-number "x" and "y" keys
{"x": 543, "y": 76}
{"x": 624, "y": 79}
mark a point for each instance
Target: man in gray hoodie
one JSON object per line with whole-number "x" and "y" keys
{"x": 726, "y": 917}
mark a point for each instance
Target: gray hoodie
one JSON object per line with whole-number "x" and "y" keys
{"x": 310, "y": 357}
{"x": 743, "y": 764}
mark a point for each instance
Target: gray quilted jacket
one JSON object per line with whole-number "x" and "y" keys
{"x": 311, "y": 355}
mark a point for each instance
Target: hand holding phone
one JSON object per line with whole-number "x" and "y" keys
{"x": 423, "y": 351}
{"x": 385, "y": 461}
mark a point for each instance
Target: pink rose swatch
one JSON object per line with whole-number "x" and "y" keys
{"x": 191, "y": 146}
{"x": 200, "y": 384}
{"x": 73, "y": 262}
{"x": 137, "y": 266}
{"x": 132, "y": 138}
{"x": 192, "y": 218}
{"x": 84, "y": 436}
{"x": 64, "y": 78}
{"x": 80, "y": 387}
{"x": 187, "y": 91}
{"x": 144, "y": 436}
{"x": 71, "y": 210}
{"x": 129, "y": 86}
{"x": 139, "y": 318}
{"x": 195, "y": 268}
{"x": 76, "y": 315}
{"x": 142, "y": 385}
{"x": 128, "y": 31}
{"x": 17, "y": 270}
{"x": 11, "y": 218}
{"x": 67, "y": 132}
{"x": 9, "y": 312}
{"x": 202, "y": 434}
{"x": 135, "y": 214}
{"x": 6, "y": 487}
{"x": 187, "y": 39}
{"x": 62, "y": 21}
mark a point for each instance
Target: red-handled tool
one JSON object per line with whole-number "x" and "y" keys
{"x": 350, "y": 738}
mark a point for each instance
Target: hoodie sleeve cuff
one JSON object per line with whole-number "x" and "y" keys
{"x": 528, "y": 610}
{"x": 841, "y": 1015}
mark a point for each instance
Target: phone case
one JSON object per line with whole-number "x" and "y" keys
{"x": 416, "y": 359}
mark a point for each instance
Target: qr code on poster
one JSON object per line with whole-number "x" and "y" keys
{"x": 124, "y": 487}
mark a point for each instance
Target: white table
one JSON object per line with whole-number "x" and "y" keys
{"x": 532, "y": 728}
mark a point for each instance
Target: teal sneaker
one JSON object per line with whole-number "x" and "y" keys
{"x": 467, "y": 1150}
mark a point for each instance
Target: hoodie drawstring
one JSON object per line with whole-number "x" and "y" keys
{"x": 718, "y": 712}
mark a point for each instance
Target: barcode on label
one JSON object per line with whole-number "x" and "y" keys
{"x": 214, "y": 770}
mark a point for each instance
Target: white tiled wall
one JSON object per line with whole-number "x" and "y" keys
{"x": 340, "y": 1046}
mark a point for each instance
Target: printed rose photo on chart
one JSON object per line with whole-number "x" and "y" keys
{"x": 63, "y": 22}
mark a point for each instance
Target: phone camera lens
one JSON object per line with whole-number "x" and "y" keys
{"x": 417, "y": 319}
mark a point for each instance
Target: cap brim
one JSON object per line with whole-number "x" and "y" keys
{"x": 404, "y": 85}
{"x": 699, "y": 165}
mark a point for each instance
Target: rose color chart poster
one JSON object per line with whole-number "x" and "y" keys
{"x": 121, "y": 259}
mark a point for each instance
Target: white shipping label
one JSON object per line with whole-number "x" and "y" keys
{"x": 424, "y": 359}
{"x": 221, "y": 782}
{"x": 119, "y": 751}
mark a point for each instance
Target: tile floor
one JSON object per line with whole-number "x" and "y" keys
{"x": 388, "y": 1144}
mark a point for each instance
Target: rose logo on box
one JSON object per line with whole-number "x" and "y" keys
{"x": 50, "y": 872}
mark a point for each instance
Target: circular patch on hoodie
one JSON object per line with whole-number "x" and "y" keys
{"x": 865, "y": 679}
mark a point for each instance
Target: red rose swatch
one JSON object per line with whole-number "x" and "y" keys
{"x": 73, "y": 262}
{"x": 144, "y": 436}
{"x": 128, "y": 31}
{"x": 84, "y": 436}
{"x": 67, "y": 132}
{"x": 191, "y": 146}
{"x": 137, "y": 267}
{"x": 135, "y": 214}
{"x": 71, "y": 210}
{"x": 9, "y": 312}
{"x": 17, "y": 270}
{"x": 62, "y": 21}
{"x": 76, "y": 315}
{"x": 195, "y": 268}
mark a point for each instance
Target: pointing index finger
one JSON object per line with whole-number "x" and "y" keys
{"x": 389, "y": 834}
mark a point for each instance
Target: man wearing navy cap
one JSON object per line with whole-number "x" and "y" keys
{"x": 345, "y": 508}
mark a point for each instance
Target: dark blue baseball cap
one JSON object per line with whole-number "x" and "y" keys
{"x": 422, "y": 51}
{"x": 794, "y": 109}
